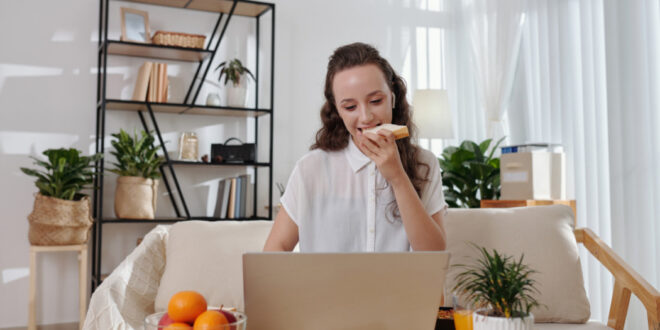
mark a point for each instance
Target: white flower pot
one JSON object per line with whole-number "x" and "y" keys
{"x": 236, "y": 94}
{"x": 483, "y": 322}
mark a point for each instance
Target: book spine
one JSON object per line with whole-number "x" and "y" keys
{"x": 232, "y": 200}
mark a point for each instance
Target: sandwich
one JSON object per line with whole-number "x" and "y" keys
{"x": 399, "y": 131}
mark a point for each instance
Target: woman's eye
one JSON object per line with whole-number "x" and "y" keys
{"x": 376, "y": 101}
{"x": 350, "y": 107}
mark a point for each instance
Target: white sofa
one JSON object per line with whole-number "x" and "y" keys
{"x": 139, "y": 285}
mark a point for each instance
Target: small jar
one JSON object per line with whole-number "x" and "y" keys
{"x": 188, "y": 145}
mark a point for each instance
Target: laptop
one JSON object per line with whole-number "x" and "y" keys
{"x": 356, "y": 291}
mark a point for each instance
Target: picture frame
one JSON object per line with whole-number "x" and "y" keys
{"x": 135, "y": 25}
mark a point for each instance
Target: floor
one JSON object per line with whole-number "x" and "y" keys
{"x": 61, "y": 326}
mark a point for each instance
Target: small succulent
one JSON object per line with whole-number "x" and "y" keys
{"x": 136, "y": 156}
{"x": 66, "y": 173}
{"x": 500, "y": 282}
{"x": 233, "y": 71}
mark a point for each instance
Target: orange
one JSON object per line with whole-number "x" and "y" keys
{"x": 185, "y": 306}
{"x": 211, "y": 320}
{"x": 178, "y": 326}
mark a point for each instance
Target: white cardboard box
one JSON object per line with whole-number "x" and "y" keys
{"x": 533, "y": 175}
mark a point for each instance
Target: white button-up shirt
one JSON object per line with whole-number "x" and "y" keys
{"x": 341, "y": 202}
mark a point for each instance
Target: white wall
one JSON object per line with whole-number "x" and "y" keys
{"x": 47, "y": 98}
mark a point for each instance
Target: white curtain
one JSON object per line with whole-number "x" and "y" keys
{"x": 493, "y": 28}
{"x": 589, "y": 78}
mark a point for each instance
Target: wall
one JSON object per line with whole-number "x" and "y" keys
{"x": 47, "y": 97}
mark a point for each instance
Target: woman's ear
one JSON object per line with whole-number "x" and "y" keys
{"x": 393, "y": 100}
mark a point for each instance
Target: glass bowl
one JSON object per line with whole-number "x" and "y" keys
{"x": 151, "y": 321}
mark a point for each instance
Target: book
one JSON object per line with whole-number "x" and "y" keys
{"x": 142, "y": 82}
{"x": 243, "y": 202}
{"x": 532, "y": 147}
{"x": 232, "y": 199}
{"x": 239, "y": 196}
{"x": 217, "y": 212}
{"x": 153, "y": 83}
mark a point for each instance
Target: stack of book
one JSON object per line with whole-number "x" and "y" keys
{"x": 232, "y": 197}
{"x": 151, "y": 84}
{"x": 532, "y": 147}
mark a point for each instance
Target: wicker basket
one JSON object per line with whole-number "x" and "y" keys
{"x": 55, "y": 221}
{"x": 178, "y": 39}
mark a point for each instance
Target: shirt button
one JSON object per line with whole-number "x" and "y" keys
{"x": 371, "y": 230}
{"x": 372, "y": 173}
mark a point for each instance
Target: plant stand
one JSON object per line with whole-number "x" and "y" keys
{"x": 82, "y": 280}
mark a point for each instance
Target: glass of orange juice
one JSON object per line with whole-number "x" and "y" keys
{"x": 462, "y": 314}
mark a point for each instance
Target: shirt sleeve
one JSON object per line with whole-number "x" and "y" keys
{"x": 433, "y": 197}
{"x": 291, "y": 199}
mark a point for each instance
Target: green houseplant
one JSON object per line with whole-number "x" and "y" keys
{"x": 233, "y": 71}
{"x": 138, "y": 168}
{"x": 470, "y": 173}
{"x": 61, "y": 213}
{"x": 501, "y": 284}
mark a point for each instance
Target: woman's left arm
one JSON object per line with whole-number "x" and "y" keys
{"x": 425, "y": 232}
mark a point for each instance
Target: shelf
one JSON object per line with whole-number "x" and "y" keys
{"x": 183, "y": 162}
{"x": 125, "y": 105}
{"x": 243, "y": 8}
{"x": 157, "y": 51}
{"x": 175, "y": 220}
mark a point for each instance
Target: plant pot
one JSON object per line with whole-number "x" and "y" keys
{"x": 135, "y": 197}
{"x": 55, "y": 221}
{"x": 236, "y": 94}
{"x": 484, "y": 322}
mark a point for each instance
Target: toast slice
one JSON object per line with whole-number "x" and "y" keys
{"x": 399, "y": 131}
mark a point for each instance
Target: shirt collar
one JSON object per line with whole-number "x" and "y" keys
{"x": 355, "y": 157}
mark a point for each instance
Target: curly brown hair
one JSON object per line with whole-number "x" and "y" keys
{"x": 334, "y": 136}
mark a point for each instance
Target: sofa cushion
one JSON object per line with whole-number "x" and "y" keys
{"x": 207, "y": 257}
{"x": 591, "y": 325}
{"x": 544, "y": 234}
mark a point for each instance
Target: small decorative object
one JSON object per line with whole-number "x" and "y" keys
{"x": 233, "y": 71}
{"x": 138, "y": 169}
{"x": 205, "y": 159}
{"x": 188, "y": 146}
{"x": 470, "y": 173}
{"x": 61, "y": 214}
{"x": 240, "y": 153}
{"x": 213, "y": 99}
{"x": 178, "y": 39}
{"x": 135, "y": 25}
{"x": 503, "y": 286}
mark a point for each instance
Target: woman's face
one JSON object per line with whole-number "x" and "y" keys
{"x": 362, "y": 98}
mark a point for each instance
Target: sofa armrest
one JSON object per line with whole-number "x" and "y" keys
{"x": 626, "y": 281}
{"x": 127, "y": 296}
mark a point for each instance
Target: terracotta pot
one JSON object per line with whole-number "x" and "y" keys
{"x": 135, "y": 197}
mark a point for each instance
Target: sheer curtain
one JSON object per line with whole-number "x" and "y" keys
{"x": 588, "y": 78}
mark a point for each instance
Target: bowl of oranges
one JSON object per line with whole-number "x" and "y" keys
{"x": 187, "y": 310}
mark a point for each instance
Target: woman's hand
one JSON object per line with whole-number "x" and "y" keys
{"x": 381, "y": 148}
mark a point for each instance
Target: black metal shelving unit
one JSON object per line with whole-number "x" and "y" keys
{"x": 226, "y": 9}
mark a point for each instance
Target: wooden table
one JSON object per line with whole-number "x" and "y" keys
{"x": 491, "y": 203}
{"x": 82, "y": 279}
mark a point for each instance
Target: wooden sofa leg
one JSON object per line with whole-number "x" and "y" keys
{"x": 619, "y": 306}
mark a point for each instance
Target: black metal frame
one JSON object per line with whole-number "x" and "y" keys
{"x": 102, "y": 105}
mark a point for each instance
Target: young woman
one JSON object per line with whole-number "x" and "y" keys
{"x": 359, "y": 191}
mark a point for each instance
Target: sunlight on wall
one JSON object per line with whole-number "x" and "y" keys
{"x": 18, "y": 70}
{"x": 13, "y": 274}
{"x": 62, "y": 36}
{"x": 33, "y": 143}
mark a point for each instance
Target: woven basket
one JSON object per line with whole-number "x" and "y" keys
{"x": 135, "y": 197}
{"x": 179, "y": 39}
{"x": 55, "y": 221}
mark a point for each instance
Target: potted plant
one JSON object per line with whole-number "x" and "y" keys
{"x": 503, "y": 286}
{"x": 233, "y": 71}
{"x": 138, "y": 169}
{"x": 61, "y": 213}
{"x": 470, "y": 173}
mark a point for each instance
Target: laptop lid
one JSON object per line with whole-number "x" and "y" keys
{"x": 296, "y": 291}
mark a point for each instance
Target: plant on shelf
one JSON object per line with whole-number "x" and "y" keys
{"x": 61, "y": 213}
{"x": 138, "y": 168}
{"x": 503, "y": 286}
{"x": 470, "y": 173}
{"x": 233, "y": 71}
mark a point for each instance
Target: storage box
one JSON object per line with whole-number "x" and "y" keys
{"x": 533, "y": 175}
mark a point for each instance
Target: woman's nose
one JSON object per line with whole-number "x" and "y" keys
{"x": 366, "y": 114}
